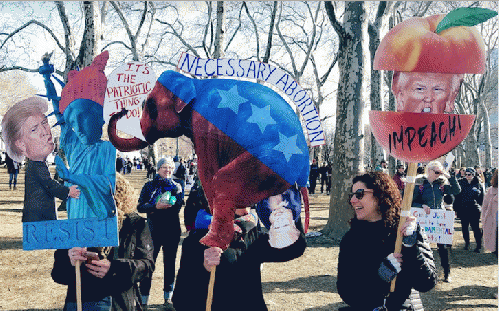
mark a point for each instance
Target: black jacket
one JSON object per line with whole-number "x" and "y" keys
{"x": 130, "y": 263}
{"x": 362, "y": 250}
{"x": 432, "y": 194}
{"x": 237, "y": 279}
{"x": 39, "y": 204}
{"x": 470, "y": 199}
{"x": 164, "y": 221}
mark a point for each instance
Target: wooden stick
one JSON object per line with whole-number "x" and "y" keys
{"x": 209, "y": 298}
{"x": 78, "y": 286}
{"x": 406, "y": 207}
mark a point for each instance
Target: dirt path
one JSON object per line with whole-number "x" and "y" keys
{"x": 306, "y": 283}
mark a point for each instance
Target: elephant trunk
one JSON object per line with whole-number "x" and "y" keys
{"x": 123, "y": 144}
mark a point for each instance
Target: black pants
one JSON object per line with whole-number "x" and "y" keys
{"x": 472, "y": 218}
{"x": 313, "y": 183}
{"x": 169, "y": 243}
{"x": 443, "y": 252}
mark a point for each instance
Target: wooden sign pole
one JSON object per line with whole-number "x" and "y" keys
{"x": 209, "y": 298}
{"x": 405, "y": 210}
{"x": 78, "y": 286}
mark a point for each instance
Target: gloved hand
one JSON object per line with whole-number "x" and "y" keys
{"x": 62, "y": 170}
{"x": 390, "y": 267}
{"x": 282, "y": 231}
{"x": 409, "y": 232}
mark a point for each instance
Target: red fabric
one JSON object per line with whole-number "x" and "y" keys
{"x": 231, "y": 178}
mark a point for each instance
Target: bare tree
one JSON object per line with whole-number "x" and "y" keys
{"x": 75, "y": 57}
{"x": 348, "y": 138}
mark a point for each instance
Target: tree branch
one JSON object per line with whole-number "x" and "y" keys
{"x": 271, "y": 32}
{"x": 116, "y": 42}
{"x": 176, "y": 34}
{"x": 256, "y": 30}
{"x": 338, "y": 27}
{"x": 35, "y": 23}
{"x": 286, "y": 46}
{"x": 131, "y": 37}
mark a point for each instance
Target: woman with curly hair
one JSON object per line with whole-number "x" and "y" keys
{"x": 110, "y": 280}
{"x": 367, "y": 264}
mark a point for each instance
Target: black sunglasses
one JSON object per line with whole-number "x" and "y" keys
{"x": 437, "y": 172}
{"x": 359, "y": 194}
{"x": 468, "y": 174}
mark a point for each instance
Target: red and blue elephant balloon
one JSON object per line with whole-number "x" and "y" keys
{"x": 249, "y": 141}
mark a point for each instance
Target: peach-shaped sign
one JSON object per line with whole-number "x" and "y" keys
{"x": 419, "y": 137}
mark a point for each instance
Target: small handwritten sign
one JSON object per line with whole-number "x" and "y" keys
{"x": 68, "y": 233}
{"x": 438, "y": 225}
{"x": 239, "y": 68}
{"x": 127, "y": 87}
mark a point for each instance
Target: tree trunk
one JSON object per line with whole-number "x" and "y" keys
{"x": 347, "y": 159}
{"x": 89, "y": 46}
{"x": 219, "y": 35}
{"x": 486, "y": 136}
{"x": 377, "y": 153}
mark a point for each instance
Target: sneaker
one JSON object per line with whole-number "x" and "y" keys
{"x": 447, "y": 279}
{"x": 477, "y": 250}
{"x": 466, "y": 246}
{"x": 168, "y": 305}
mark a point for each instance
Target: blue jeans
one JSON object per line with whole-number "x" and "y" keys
{"x": 103, "y": 305}
{"x": 13, "y": 179}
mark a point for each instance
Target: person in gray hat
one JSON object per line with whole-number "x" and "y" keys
{"x": 161, "y": 199}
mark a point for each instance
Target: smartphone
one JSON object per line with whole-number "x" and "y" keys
{"x": 91, "y": 256}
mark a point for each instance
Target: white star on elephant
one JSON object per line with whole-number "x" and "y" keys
{"x": 231, "y": 99}
{"x": 261, "y": 116}
{"x": 287, "y": 145}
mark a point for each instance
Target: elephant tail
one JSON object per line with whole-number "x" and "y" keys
{"x": 304, "y": 193}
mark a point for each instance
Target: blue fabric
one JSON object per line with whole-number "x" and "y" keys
{"x": 203, "y": 219}
{"x": 253, "y": 115}
{"x": 91, "y": 161}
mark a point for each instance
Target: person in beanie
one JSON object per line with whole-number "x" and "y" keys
{"x": 467, "y": 205}
{"x": 161, "y": 199}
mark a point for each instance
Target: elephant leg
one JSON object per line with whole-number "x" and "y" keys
{"x": 241, "y": 183}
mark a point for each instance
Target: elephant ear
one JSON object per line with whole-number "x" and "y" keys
{"x": 181, "y": 86}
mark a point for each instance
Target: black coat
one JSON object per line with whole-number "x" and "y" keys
{"x": 238, "y": 284}
{"x": 163, "y": 222}
{"x": 432, "y": 194}
{"x": 362, "y": 250}
{"x": 130, "y": 263}
{"x": 39, "y": 203}
{"x": 469, "y": 200}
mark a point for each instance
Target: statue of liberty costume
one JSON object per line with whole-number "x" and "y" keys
{"x": 91, "y": 161}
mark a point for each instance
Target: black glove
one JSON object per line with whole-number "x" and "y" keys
{"x": 389, "y": 268}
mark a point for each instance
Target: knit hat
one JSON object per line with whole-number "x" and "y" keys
{"x": 471, "y": 170}
{"x": 162, "y": 161}
{"x": 90, "y": 83}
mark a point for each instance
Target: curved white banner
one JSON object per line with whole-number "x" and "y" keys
{"x": 238, "y": 68}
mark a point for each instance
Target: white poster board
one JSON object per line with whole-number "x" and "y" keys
{"x": 438, "y": 225}
{"x": 127, "y": 87}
